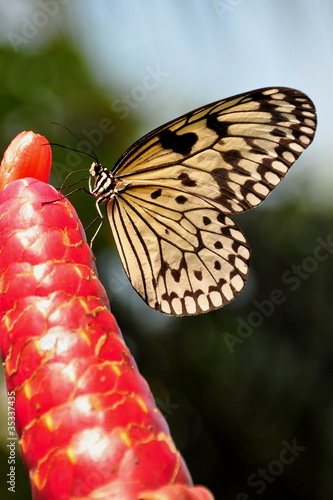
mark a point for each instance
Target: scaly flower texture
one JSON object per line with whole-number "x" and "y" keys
{"x": 88, "y": 424}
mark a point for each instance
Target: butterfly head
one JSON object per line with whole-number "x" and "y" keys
{"x": 97, "y": 169}
{"x": 103, "y": 188}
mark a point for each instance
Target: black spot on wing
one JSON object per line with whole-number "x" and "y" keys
{"x": 235, "y": 246}
{"x": 175, "y": 273}
{"x": 178, "y": 143}
{"x": 186, "y": 180}
{"x": 198, "y": 275}
{"x": 277, "y": 132}
{"x": 221, "y": 128}
{"x": 220, "y": 218}
{"x": 181, "y": 199}
{"x": 156, "y": 194}
{"x": 255, "y": 148}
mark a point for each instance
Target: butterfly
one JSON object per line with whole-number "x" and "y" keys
{"x": 170, "y": 195}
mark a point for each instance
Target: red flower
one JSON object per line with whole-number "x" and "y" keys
{"x": 28, "y": 155}
{"x": 87, "y": 422}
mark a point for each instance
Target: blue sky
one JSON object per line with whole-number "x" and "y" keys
{"x": 201, "y": 51}
{"x": 211, "y": 49}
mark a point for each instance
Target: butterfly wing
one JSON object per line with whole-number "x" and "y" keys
{"x": 222, "y": 158}
{"x": 233, "y": 152}
{"x": 181, "y": 262}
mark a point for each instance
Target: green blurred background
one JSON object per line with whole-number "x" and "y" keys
{"x": 247, "y": 390}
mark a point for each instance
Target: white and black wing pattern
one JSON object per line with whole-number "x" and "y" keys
{"x": 175, "y": 188}
{"x": 181, "y": 262}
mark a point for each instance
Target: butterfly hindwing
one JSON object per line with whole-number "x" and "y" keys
{"x": 186, "y": 262}
{"x": 220, "y": 159}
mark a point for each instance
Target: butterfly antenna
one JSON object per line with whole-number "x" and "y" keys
{"x": 91, "y": 155}
{"x": 68, "y": 130}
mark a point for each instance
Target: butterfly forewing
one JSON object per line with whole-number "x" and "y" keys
{"x": 177, "y": 185}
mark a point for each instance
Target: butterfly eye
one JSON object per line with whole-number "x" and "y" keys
{"x": 95, "y": 169}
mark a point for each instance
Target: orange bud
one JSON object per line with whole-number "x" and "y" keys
{"x": 28, "y": 155}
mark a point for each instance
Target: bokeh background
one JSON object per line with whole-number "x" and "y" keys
{"x": 247, "y": 390}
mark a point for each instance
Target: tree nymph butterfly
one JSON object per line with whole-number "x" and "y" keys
{"x": 169, "y": 196}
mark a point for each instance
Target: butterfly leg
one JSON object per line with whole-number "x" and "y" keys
{"x": 99, "y": 216}
{"x": 81, "y": 188}
{"x": 63, "y": 184}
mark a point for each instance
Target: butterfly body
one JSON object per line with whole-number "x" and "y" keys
{"x": 104, "y": 188}
{"x": 169, "y": 197}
